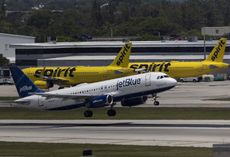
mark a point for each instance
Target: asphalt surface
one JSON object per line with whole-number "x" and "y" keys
{"x": 126, "y": 132}
{"x": 200, "y": 133}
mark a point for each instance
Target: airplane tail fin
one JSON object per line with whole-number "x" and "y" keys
{"x": 122, "y": 59}
{"x": 217, "y": 53}
{"x": 24, "y": 85}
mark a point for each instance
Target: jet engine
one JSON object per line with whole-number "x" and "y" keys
{"x": 101, "y": 101}
{"x": 43, "y": 84}
{"x": 134, "y": 101}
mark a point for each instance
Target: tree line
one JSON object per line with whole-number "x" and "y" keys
{"x": 75, "y": 20}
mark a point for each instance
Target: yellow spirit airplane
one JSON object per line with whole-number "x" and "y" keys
{"x": 178, "y": 69}
{"x": 46, "y": 77}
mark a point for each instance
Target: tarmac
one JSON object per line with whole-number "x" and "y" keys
{"x": 195, "y": 133}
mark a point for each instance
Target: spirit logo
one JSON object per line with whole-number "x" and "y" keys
{"x": 152, "y": 67}
{"x": 55, "y": 72}
{"x": 217, "y": 50}
{"x": 123, "y": 53}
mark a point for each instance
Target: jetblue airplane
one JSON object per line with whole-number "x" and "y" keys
{"x": 130, "y": 91}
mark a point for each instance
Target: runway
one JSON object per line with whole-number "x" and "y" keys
{"x": 195, "y": 133}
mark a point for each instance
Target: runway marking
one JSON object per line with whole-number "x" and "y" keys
{"x": 152, "y": 142}
{"x": 121, "y": 124}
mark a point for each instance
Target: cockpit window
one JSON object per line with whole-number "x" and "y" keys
{"x": 162, "y": 76}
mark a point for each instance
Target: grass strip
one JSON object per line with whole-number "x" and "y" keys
{"x": 8, "y": 98}
{"x": 220, "y": 99}
{"x": 122, "y": 113}
{"x": 75, "y": 150}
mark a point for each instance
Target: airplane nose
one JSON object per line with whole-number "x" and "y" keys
{"x": 173, "y": 82}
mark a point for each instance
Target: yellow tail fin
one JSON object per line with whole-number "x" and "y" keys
{"x": 217, "y": 53}
{"x": 122, "y": 59}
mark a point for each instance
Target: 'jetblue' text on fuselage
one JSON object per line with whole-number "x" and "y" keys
{"x": 128, "y": 82}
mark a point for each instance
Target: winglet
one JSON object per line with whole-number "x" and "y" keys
{"x": 217, "y": 53}
{"x": 122, "y": 59}
{"x": 23, "y": 84}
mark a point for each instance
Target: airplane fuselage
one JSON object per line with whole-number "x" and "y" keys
{"x": 77, "y": 75}
{"x": 71, "y": 76}
{"x": 80, "y": 74}
{"x": 126, "y": 87}
{"x": 177, "y": 69}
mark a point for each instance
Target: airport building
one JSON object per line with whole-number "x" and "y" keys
{"x": 103, "y": 52}
{"x": 7, "y": 39}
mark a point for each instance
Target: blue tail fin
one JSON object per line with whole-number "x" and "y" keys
{"x": 24, "y": 85}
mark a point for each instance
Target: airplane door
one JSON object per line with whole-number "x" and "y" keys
{"x": 148, "y": 80}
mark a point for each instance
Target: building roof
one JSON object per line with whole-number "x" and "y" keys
{"x": 134, "y": 57}
{"x": 105, "y": 44}
{"x": 11, "y": 59}
{"x": 15, "y": 35}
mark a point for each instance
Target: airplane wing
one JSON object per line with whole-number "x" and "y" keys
{"x": 56, "y": 80}
{"x": 121, "y": 71}
{"x": 66, "y": 96}
{"x": 70, "y": 96}
{"x": 140, "y": 70}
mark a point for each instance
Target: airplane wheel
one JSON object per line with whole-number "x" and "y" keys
{"x": 111, "y": 112}
{"x": 156, "y": 103}
{"x": 88, "y": 113}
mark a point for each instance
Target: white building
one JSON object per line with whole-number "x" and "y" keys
{"x": 103, "y": 52}
{"x": 8, "y": 39}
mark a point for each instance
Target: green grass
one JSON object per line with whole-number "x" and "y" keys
{"x": 221, "y": 99}
{"x": 75, "y": 150}
{"x": 122, "y": 113}
{"x": 8, "y": 98}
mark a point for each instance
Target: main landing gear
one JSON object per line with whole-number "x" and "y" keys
{"x": 155, "y": 102}
{"x": 111, "y": 113}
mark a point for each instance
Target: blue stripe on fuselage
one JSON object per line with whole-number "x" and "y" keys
{"x": 115, "y": 99}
